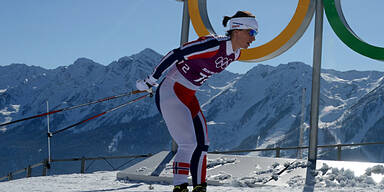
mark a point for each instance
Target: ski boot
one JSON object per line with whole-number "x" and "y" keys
{"x": 200, "y": 188}
{"x": 181, "y": 188}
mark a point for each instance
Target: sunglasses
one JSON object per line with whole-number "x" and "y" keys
{"x": 252, "y": 32}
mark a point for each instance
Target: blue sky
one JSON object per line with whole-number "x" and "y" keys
{"x": 52, "y": 33}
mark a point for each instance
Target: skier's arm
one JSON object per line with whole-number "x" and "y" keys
{"x": 190, "y": 50}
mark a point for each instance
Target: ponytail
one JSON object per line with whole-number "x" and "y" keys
{"x": 225, "y": 20}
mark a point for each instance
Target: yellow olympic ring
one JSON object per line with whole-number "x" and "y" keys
{"x": 286, "y": 39}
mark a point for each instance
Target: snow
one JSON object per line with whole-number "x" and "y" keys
{"x": 244, "y": 173}
{"x": 219, "y": 161}
{"x": 332, "y": 78}
{"x": 327, "y": 179}
{"x": 328, "y": 109}
{"x": 115, "y": 142}
{"x": 16, "y": 108}
{"x": 7, "y": 111}
{"x": 215, "y": 123}
{"x": 101, "y": 181}
{"x": 223, "y": 89}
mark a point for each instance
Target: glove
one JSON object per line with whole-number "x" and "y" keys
{"x": 146, "y": 84}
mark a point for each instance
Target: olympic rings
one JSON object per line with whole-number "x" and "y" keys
{"x": 340, "y": 26}
{"x": 286, "y": 39}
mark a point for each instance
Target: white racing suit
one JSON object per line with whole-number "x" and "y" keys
{"x": 189, "y": 67}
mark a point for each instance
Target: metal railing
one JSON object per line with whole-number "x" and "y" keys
{"x": 46, "y": 165}
{"x": 278, "y": 149}
{"x": 83, "y": 160}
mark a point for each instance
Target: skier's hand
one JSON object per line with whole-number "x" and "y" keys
{"x": 146, "y": 84}
{"x": 141, "y": 85}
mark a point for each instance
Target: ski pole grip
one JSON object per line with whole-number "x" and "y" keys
{"x": 138, "y": 91}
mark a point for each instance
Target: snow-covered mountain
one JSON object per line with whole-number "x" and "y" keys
{"x": 262, "y": 109}
{"x": 255, "y": 110}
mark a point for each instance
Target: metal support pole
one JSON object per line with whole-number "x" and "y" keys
{"x": 312, "y": 155}
{"x": 184, "y": 39}
{"x": 301, "y": 135}
{"x": 317, "y": 52}
{"x": 185, "y": 24}
{"x": 49, "y": 138}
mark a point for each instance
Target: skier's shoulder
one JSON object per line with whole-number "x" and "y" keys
{"x": 214, "y": 37}
{"x": 208, "y": 38}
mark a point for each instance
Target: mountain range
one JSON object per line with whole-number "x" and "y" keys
{"x": 258, "y": 109}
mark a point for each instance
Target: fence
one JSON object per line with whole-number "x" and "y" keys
{"x": 46, "y": 165}
{"x": 278, "y": 149}
{"x": 83, "y": 160}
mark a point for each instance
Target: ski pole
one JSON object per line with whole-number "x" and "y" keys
{"x": 73, "y": 107}
{"x": 98, "y": 115}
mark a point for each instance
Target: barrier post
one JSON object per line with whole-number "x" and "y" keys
{"x": 277, "y": 152}
{"x": 339, "y": 152}
{"x": 29, "y": 171}
{"x": 10, "y": 176}
{"x": 82, "y": 165}
{"x": 45, "y": 167}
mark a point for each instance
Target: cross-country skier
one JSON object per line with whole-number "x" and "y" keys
{"x": 189, "y": 66}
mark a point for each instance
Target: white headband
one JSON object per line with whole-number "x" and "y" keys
{"x": 243, "y": 23}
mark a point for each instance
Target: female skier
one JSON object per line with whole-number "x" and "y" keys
{"x": 189, "y": 66}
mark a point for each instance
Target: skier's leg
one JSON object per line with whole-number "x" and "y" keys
{"x": 199, "y": 157}
{"x": 176, "y": 106}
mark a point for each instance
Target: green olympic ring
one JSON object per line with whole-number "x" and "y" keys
{"x": 340, "y": 26}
